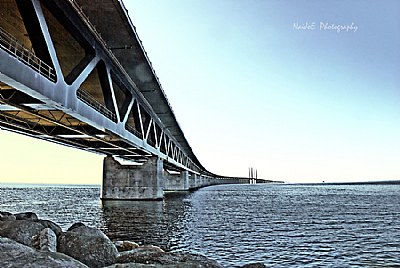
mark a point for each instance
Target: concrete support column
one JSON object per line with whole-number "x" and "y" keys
{"x": 192, "y": 181}
{"x": 214, "y": 181}
{"x": 204, "y": 182}
{"x": 207, "y": 181}
{"x": 200, "y": 182}
{"x": 132, "y": 182}
{"x": 178, "y": 182}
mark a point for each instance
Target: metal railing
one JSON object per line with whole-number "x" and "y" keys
{"x": 109, "y": 52}
{"x": 95, "y": 104}
{"x": 134, "y": 131}
{"x": 10, "y": 44}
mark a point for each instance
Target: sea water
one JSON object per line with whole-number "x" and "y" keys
{"x": 278, "y": 225}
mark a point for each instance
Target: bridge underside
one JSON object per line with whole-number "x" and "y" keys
{"x": 27, "y": 57}
{"x": 81, "y": 83}
{"x": 23, "y": 114}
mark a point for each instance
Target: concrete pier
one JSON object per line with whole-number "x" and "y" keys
{"x": 132, "y": 182}
{"x": 176, "y": 182}
{"x": 150, "y": 180}
{"x": 193, "y": 181}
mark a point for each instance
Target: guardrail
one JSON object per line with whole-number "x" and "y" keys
{"x": 14, "y": 47}
{"x": 95, "y": 104}
{"x": 134, "y": 131}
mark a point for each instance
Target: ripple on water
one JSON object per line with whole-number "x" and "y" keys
{"x": 279, "y": 225}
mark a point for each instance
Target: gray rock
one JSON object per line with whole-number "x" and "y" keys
{"x": 53, "y": 226}
{"x": 16, "y": 255}
{"x": 88, "y": 245}
{"x": 22, "y": 231}
{"x": 7, "y": 216}
{"x": 47, "y": 240}
{"x": 26, "y": 216}
{"x": 151, "y": 248}
{"x": 125, "y": 245}
{"x": 135, "y": 265}
{"x": 198, "y": 261}
{"x": 75, "y": 225}
{"x": 141, "y": 255}
{"x": 88, "y": 231}
{"x": 155, "y": 256}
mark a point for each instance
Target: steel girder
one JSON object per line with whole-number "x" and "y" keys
{"x": 64, "y": 84}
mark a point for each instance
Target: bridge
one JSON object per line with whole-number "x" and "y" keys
{"x": 74, "y": 72}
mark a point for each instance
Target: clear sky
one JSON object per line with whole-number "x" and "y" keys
{"x": 302, "y": 90}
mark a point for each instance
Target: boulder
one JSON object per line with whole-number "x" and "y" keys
{"x": 141, "y": 255}
{"x": 15, "y": 255}
{"x": 75, "y": 225}
{"x": 88, "y": 245}
{"x": 135, "y": 265}
{"x": 159, "y": 258}
{"x": 53, "y": 226}
{"x": 125, "y": 245}
{"x": 197, "y": 261}
{"x": 151, "y": 248}
{"x": 22, "y": 231}
{"x": 26, "y": 216}
{"x": 7, "y": 216}
{"x": 47, "y": 240}
{"x": 87, "y": 231}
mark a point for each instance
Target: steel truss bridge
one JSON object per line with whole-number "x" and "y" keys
{"x": 75, "y": 72}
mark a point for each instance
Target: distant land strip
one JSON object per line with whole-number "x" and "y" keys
{"x": 351, "y": 183}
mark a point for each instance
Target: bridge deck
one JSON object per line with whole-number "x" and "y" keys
{"x": 74, "y": 52}
{"x": 68, "y": 76}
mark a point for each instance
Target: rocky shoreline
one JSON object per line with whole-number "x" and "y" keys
{"x": 27, "y": 241}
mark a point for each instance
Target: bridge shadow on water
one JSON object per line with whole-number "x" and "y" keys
{"x": 157, "y": 223}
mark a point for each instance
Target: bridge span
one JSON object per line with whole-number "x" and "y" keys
{"x": 74, "y": 72}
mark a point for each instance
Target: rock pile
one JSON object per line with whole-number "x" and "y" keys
{"x": 27, "y": 241}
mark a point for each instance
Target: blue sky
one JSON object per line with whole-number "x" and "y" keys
{"x": 250, "y": 89}
{"x": 302, "y": 105}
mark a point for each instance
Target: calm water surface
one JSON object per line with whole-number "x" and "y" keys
{"x": 279, "y": 225}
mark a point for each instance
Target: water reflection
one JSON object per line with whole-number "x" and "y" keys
{"x": 146, "y": 222}
{"x": 279, "y": 225}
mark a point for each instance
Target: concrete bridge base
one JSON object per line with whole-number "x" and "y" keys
{"x": 131, "y": 182}
{"x": 150, "y": 180}
{"x": 176, "y": 182}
